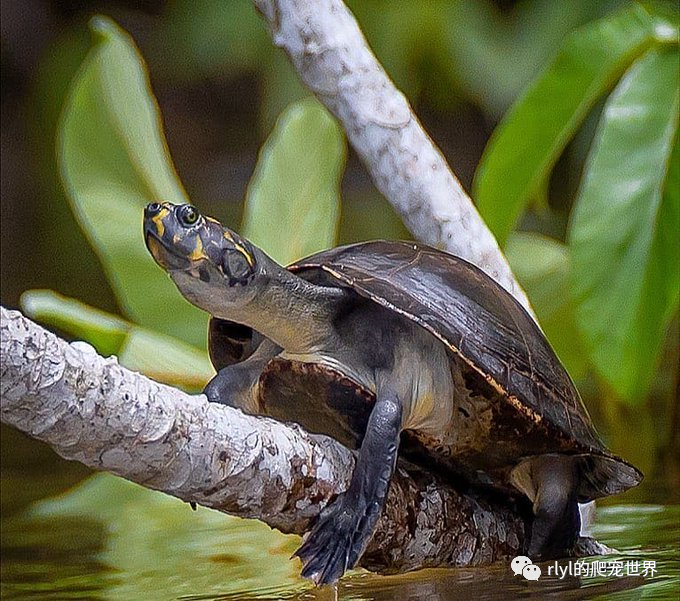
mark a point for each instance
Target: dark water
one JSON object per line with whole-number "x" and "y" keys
{"x": 108, "y": 539}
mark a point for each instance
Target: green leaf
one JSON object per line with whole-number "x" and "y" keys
{"x": 158, "y": 356}
{"x": 293, "y": 201}
{"x": 114, "y": 160}
{"x": 542, "y": 266}
{"x": 496, "y": 52}
{"x": 105, "y": 332}
{"x": 528, "y": 142}
{"x": 666, "y": 16}
{"x": 624, "y": 230}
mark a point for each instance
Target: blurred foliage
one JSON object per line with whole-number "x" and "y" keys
{"x": 532, "y": 136}
{"x": 447, "y": 47}
{"x": 542, "y": 265}
{"x": 621, "y": 282}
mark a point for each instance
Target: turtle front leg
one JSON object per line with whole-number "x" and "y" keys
{"x": 345, "y": 527}
{"x": 232, "y": 386}
{"x": 235, "y": 385}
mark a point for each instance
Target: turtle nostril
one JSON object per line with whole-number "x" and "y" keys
{"x": 153, "y": 208}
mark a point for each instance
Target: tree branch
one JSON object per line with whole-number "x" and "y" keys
{"x": 92, "y": 410}
{"x": 333, "y": 59}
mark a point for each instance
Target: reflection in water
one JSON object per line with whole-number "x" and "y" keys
{"x": 109, "y": 539}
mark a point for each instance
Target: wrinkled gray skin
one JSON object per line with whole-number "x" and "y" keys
{"x": 406, "y": 368}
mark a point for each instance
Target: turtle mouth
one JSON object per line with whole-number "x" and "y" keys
{"x": 167, "y": 257}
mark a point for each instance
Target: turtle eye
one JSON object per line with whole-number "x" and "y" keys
{"x": 187, "y": 215}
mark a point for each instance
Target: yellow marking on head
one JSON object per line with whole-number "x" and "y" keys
{"x": 245, "y": 253}
{"x": 198, "y": 250}
{"x": 158, "y": 221}
{"x": 239, "y": 248}
{"x": 175, "y": 238}
{"x": 212, "y": 220}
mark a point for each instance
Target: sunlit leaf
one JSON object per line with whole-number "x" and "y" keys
{"x": 166, "y": 359}
{"x": 542, "y": 266}
{"x": 102, "y": 330}
{"x": 666, "y": 17}
{"x": 533, "y": 134}
{"x": 293, "y": 202}
{"x": 114, "y": 160}
{"x": 160, "y": 357}
{"x": 624, "y": 231}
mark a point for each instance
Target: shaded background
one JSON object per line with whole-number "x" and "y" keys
{"x": 220, "y": 85}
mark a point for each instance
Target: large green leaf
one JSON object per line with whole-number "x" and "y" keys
{"x": 542, "y": 266}
{"x": 524, "y": 148}
{"x": 114, "y": 160}
{"x": 160, "y": 357}
{"x": 293, "y": 202}
{"x": 105, "y": 332}
{"x": 624, "y": 231}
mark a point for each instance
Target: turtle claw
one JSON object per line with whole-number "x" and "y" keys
{"x": 335, "y": 543}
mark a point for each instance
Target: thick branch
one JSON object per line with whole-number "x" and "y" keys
{"x": 333, "y": 59}
{"x": 94, "y": 411}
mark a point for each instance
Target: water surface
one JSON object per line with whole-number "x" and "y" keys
{"x": 109, "y": 539}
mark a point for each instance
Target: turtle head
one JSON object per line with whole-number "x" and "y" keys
{"x": 213, "y": 267}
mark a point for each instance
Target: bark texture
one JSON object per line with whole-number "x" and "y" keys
{"x": 333, "y": 59}
{"x": 92, "y": 410}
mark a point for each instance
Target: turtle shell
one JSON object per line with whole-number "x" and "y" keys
{"x": 478, "y": 321}
{"x": 486, "y": 328}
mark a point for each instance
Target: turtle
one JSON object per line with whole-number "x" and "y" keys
{"x": 392, "y": 348}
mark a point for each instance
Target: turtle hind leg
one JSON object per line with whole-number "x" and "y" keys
{"x": 551, "y": 482}
{"x": 555, "y": 528}
{"x": 345, "y": 527}
{"x": 557, "y": 520}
